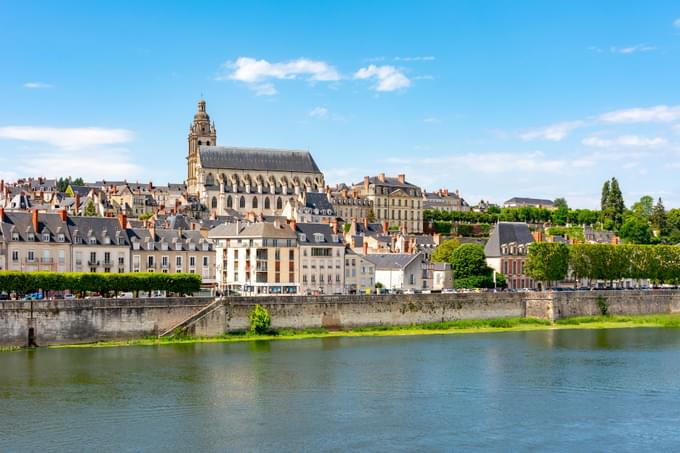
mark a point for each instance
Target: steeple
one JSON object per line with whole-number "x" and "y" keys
{"x": 201, "y": 133}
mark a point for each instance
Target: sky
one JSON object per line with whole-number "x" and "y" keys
{"x": 497, "y": 99}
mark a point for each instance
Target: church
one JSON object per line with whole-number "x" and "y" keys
{"x": 258, "y": 180}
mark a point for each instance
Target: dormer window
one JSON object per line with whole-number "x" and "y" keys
{"x": 15, "y": 236}
{"x": 61, "y": 237}
{"x": 334, "y": 237}
{"x": 303, "y": 237}
{"x": 206, "y": 247}
{"x": 92, "y": 240}
{"x": 107, "y": 240}
{"x": 31, "y": 237}
{"x": 178, "y": 246}
{"x": 318, "y": 237}
{"x": 164, "y": 246}
{"x": 46, "y": 237}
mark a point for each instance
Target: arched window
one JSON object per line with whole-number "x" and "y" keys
{"x": 209, "y": 180}
{"x": 229, "y": 202}
{"x": 266, "y": 203}
{"x": 242, "y": 202}
{"x": 199, "y": 143}
{"x": 214, "y": 203}
{"x": 254, "y": 202}
{"x": 208, "y": 143}
{"x": 279, "y": 203}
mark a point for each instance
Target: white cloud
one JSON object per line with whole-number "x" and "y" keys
{"x": 423, "y": 58}
{"x": 319, "y": 112}
{"x": 554, "y": 132}
{"x": 67, "y": 138}
{"x": 389, "y": 78}
{"x": 656, "y": 114}
{"x": 624, "y": 140}
{"x": 676, "y": 23}
{"x": 632, "y": 49}
{"x": 37, "y": 85}
{"x": 250, "y": 70}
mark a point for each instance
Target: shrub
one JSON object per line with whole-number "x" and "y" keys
{"x": 260, "y": 321}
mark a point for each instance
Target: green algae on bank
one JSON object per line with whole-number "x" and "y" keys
{"x": 439, "y": 328}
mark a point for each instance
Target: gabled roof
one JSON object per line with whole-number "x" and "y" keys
{"x": 506, "y": 233}
{"x": 392, "y": 261}
{"x": 99, "y": 228}
{"x": 252, "y": 231}
{"x": 22, "y": 223}
{"x": 257, "y": 159}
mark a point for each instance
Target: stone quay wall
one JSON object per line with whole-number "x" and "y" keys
{"x": 91, "y": 320}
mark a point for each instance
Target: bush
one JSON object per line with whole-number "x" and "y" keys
{"x": 260, "y": 321}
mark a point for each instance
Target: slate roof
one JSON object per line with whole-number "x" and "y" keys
{"x": 317, "y": 200}
{"x": 506, "y": 233}
{"x": 309, "y": 229}
{"x": 389, "y": 181}
{"x": 163, "y": 235}
{"x": 252, "y": 230}
{"x": 99, "y": 228}
{"x": 257, "y": 159}
{"x": 532, "y": 201}
{"x": 394, "y": 261}
{"x": 22, "y": 223}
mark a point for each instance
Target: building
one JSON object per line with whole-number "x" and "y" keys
{"x": 172, "y": 251}
{"x": 519, "y": 202}
{"x": 322, "y": 258}
{"x": 245, "y": 179}
{"x": 258, "y": 258}
{"x": 443, "y": 200}
{"x": 395, "y": 201}
{"x": 398, "y": 271}
{"x": 99, "y": 244}
{"x": 439, "y": 276}
{"x": 348, "y": 205}
{"x": 310, "y": 207}
{"x": 506, "y": 252}
{"x": 359, "y": 273}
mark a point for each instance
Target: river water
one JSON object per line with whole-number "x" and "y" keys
{"x": 569, "y": 390}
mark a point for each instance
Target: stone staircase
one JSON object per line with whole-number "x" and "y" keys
{"x": 186, "y": 323}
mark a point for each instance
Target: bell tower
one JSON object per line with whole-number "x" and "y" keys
{"x": 201, "y": 133}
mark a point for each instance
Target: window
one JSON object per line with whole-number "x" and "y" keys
{"x": 151, "y": 262}
{"x": 164, "y": 262}
{"x": 213, "y": 203}
{"x": 31, "y": 237}
{"x": 178, "y": 262}
{"x": 62, "y": 257}
{"x": 205, "y": 261}
{"x": 267, "y": 204}
{"x": 107, "y": 257}
{"x": 46, "y": 237}
{"x": 318, "y": 237}
{"x": 15, "y": 236}
{"x": 192, "y": 261}
{"x": 230, "y": 203}
{"x": 254, "y": 204}
{"x": 279, "y": 203}
{"x": 92, "y": 240}
{"x": 242, "y": 202}
{"x": 15, "y": 255}
{"x": 60, "y": 237}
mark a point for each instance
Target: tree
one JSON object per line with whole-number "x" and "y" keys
{"x": 260, "y": 321}
{"x": 644, "y": 207}
{"x": 604, "y": 199}
{"x": 371, "y": 216}
{"x": 636, "y": 231}
{"x": 90, "y": 210}
{"x": 561, "y": 203}
{"x": 468, "y": 260}
{"x": 658, "y": 218}
{"x": 444, "y": 251}
{"x": 616, "y": 204}
{"x": 547, "y": 261}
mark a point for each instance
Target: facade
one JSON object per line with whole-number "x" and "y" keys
{"x": 359, "y": 273}
{"x": 398, "y": 271}
{"x": 256, "y": 258}
{"x": 439, "y": 276}
{"x": 520, "y": 202}
{"x": 443, "y": 200}
{"x": 99, "y": 244}
{"x": 506, "y": 252}
{"x": 172, "y": 251}
{"x": 310, "y": 207}
{"x": 394, "y": 200}
{"x": 322, "y": 258}
{"x": 348, "y": 205}
{"x": 255, "y": 180}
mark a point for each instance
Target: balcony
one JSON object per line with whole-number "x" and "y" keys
{"x": 92, "y": 263}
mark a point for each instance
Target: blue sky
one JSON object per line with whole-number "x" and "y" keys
{"x": 497, "y": 99}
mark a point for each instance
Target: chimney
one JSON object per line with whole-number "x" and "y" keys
{"x": 366, "y": 223}
{"x": 366, "y": 184}
{"x": 2, "y": 214}
{"x": 122, "y": 220}
{"x": 386, "y": 227}
{"x": 364, "y": 247}
{"x": 334, "y": 225}
{"x": 35, "y": 220}
{"x": 401, "y": 178}
{"x": 77, "y": 207}
{"x": 381, "y": 177}
{"x": 537, "y": 235}
{"x": 2, "y": 185}
{"x": 446, "y": 192}
{"x": 62, "y": 215}
{"x": 293, "y": 225}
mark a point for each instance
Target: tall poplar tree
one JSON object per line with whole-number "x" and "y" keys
{"x": 659, "y": 219}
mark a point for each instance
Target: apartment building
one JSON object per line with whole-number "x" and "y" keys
{"x": 359, "y": 273}
{"x": 99, "y": 244}
{"x": 322, "y": 258}
{"x": 395, "y": 201}
{"x": 507, "y": 250}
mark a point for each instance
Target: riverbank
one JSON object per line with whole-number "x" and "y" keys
{"x": 443, "y": 328}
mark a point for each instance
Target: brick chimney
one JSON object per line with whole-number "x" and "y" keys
{"x": 2, "y": 215}
{"x": 386, "y": 227}
{"x": 334, "y": 225}
{"x": 364, "y": 247}
{"x": 366, "y": 223}
{"x": 381, "y": 177}
{"x": 77, "y": 207}
{"x": 35, "y": 220}
{"x": 293, "y": 225}
{"x": 122, "y": 220}
{"x": 537, "y": 235}
{"x": 366, "y": 183}
{"x": 62, "y": 215}
{"x": 401, "y": 178}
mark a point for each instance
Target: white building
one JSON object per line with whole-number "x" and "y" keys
{"x": 398, "y": 271}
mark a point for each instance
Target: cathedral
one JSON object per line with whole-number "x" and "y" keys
{"x": 258, "y": 180}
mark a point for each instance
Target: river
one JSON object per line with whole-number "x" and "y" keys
{"x": 569, "y": 390}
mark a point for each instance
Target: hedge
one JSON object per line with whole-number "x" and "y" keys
{"x": 79, "y": 282}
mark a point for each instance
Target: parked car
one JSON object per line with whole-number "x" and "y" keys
{"x": 448, "y": 291}
{"x": 69, "y": 296}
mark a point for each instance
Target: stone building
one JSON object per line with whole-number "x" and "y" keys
{"x": 245, "y": 179}
{"x": 359, "y": 273}
{"x": 506, "y": 252}
{"x": 443, "y": 200}
{"x": 322, "y": 258}
{"x": 348, "y": 205}
{"x": 256, "y": 258}
{"x": 99, "y": 244}
{"x": 398, "y": 271}
{"x": 395, "y": 201}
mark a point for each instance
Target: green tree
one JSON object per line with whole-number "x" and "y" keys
{"x": 468, "y": 260}
{"x": 90, "y": 210}
{"x": 644, "y": 207}
{"x": 561, "y": 203}
{"x": 260, "y": 321}
{"x": 604, "y": 199}
{"x": 444, "y": 251}
{"x": 658, "y": 218}
{"x": 547, "y": 261}
{"x": 636, "y": 230}
{"x": 616, "y": 204}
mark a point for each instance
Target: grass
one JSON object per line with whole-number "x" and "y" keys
{"x": 436, "y": 328}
